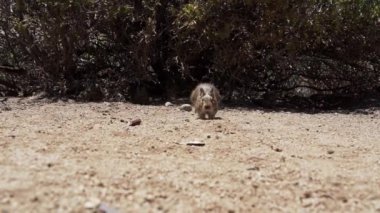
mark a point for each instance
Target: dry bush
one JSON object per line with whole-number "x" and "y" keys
{"x": 112, "y": 50}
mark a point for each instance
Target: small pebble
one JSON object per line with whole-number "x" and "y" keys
{"x": 255, "y": 168}
{"x": 330, "y": 152}
{"x": 106, "y": 209}
{"x": 34, "y": 199}
{"x": 135, "y": 122}
{"x": 185, "y": 107}
{"x": 277, "y": 149}
{"x": 195, "y": 143}
{"x": 6, "y": 108}
{"x": 307, "y": 195}
{"x": 168, "y": 104}
{"x": 92, "y": 203}
{"x": 149, "y": 198}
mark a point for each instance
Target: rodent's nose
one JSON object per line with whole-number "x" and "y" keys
{"x": 207, "y": 107}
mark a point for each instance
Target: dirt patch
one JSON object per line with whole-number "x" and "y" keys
{"x": 72, "y": 157}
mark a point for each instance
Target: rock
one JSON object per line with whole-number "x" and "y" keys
{"x": 276, "y": 149}
{"x": 330, "y": 152}
{"x": 185, "y": 107}
{"x": 135, "y": 122}
{"x": 100, "y": 184}
{"x": 192, "y": 142}
{"x": 92, "y": 203}
{"x": 168, "y": 104}
{"x": 149, "y": 198}
{"x": 5, "y": 200}
{"x": 38, "y": 96}
{"x": 103, "y": 208}
{"x": 255, "y": 168}
{"x": 34, "y": 199}
{"x": 307, "y": 194}
{"x": 5, "y": 108}
{"x": 195, "y": 143}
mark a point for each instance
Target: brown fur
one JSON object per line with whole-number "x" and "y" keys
{"x": 205, "y": 99}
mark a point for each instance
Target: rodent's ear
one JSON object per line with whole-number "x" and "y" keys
{"x": 212, "y": 90}
{"x": 217, "y": 95}
{"x": 202, "y": 92}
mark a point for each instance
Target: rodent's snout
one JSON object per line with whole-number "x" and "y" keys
{"x": 207, "y": 104}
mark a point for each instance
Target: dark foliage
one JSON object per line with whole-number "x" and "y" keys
{"x": 253, "y": 50}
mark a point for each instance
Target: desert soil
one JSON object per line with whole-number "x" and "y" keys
{"x": 81, "y": 157}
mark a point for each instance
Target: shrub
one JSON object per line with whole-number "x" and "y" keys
{"x": 95, "y": 50}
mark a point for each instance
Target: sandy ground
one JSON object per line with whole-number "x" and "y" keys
{"x": 75, "y": 157}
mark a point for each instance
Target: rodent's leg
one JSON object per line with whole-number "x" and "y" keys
{"x": 202, "y": 115}
{"x": 211, "y": 115}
